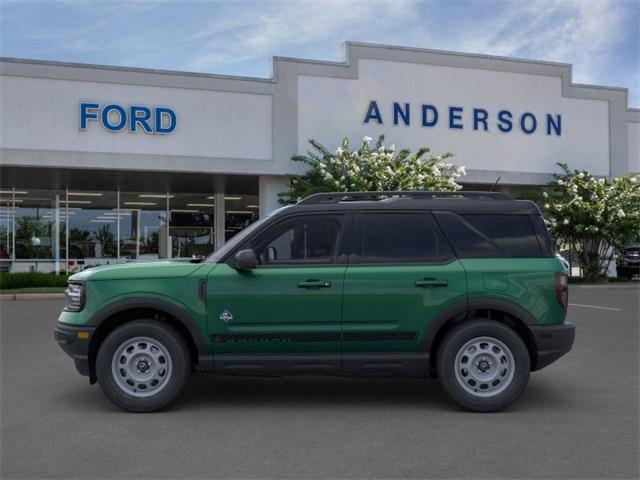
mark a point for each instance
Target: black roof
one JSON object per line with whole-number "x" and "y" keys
{"x": 459, "y": 202}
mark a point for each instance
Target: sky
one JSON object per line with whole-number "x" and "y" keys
{"x": 601, "y": 38}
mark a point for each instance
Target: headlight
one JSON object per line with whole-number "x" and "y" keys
{"x": 74, "y": 295}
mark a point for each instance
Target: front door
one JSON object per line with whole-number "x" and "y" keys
{"x": 287, "y": 312}
{"x": 401, "y": 274}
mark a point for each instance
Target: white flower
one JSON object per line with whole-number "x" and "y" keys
{"x": 367, "y": 139}
{"x": 560, "y": 182}
{"x": 546, "y": 205}
{"x": 581, "y": 175}
{"x": 601, "y": 181}
{"x": 621, "y": 213}
{"x": 565, "y": 222}
{"x": 339, "y": 151}
{"x": 461, "y": 170}
{"x": 634, "y": 179}
{"x": 545, "y": 194}
{"x": 392, "y": 148}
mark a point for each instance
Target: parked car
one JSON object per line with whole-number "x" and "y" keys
{"x": 464, "y": 287}
{"x": 5, "y": 262}
{"x": 628, "y": 264}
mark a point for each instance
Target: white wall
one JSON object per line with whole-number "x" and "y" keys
{"x": 43, "y": 114}
{"x": 328, "y": 108}
{"x": 633, "y": 137}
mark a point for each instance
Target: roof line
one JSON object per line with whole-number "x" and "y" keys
{"x": 134, "y": 69}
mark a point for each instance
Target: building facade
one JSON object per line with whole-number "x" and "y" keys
{"x": 108, "y": 164}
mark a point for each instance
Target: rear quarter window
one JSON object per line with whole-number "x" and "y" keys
{"x": 490, "y": 235}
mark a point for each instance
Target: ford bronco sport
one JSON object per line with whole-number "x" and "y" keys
{"x": 460, "y": 286}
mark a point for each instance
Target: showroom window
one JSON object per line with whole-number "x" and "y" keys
{"x": 143, "y": 221}
{"x": 39, "y": 224}
{"x": 192, "y": 225}
{"x": 46, "y": 230}
{"x": 91, "y": 228}
{"x": 240, "y": 212}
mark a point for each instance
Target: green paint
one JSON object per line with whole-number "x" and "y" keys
{"x": 362, "y": 298}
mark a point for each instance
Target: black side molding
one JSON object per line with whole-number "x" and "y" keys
{"x": 379, "y": 364}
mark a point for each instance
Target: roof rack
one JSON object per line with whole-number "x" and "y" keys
{"x": 337, "y": 197}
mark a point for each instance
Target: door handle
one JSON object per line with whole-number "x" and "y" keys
{"x": 314, "y": 284}
{"x": 431, "y": 282}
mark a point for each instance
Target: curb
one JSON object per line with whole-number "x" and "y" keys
{"x": 31, "y": 296}
{"x": 605, "y": 285}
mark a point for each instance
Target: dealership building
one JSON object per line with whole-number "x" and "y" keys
{"x": 106, "y": 164}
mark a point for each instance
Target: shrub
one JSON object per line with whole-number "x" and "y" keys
{"x": 593, "y": 215}
{"x": 370, "y": 167}
{"x": 28, "y": 280}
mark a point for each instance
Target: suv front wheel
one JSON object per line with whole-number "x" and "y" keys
{"x": 143, "y": 365}
{"x": 483, "y": 365}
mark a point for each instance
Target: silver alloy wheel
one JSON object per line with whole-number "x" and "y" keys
{"x": 141, "y": 366}
{"x": 484, "y": 366}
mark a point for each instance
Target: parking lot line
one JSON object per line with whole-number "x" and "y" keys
{"x": 594, "y": 306}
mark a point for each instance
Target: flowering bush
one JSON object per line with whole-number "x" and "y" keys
{"x": 593, "y": 215}
{"x": 371, "y": 168}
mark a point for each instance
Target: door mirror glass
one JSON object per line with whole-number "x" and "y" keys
{"x": 245, "y": 260}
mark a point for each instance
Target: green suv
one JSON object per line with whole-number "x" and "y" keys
{"x": 460, "y": 286}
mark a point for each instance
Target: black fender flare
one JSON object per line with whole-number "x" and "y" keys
{"x": 462, "y": 308}
{"x": 175, "y": 311}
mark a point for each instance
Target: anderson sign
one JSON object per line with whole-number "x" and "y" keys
{"x": 461, "y": 118}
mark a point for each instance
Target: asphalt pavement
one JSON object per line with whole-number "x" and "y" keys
{"x": 578, "y": 418}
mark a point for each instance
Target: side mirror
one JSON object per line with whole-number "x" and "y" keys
{"x": 245, "y": 260}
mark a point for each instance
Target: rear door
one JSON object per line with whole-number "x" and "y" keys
{"x": 401, "y": 274}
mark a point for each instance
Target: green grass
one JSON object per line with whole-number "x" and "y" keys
{"x": 33, "y": 290}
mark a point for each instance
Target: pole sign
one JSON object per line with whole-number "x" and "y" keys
{"x": 133, "y": 118}
{"x": 457, "y": 118}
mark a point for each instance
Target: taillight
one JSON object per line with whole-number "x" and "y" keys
{"x": 562, "y": 289}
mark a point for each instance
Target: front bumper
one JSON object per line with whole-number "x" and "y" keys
{"x": 75, "y": 343}
{"x": 628, "y": 269}
{"x": 552, "y": 342}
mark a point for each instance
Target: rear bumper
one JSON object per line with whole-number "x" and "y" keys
{"x": 75, "y": 343}
{"x": 552, "y": 342}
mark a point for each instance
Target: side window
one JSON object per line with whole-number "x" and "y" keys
{"x": 514, "y": 234}
{"x": 483, "y": 236}
{"x": 301, "y": 240}
{"x": 400, "y": 238}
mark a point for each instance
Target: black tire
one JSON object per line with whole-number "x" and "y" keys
{"x": 452, "y": 344}
{"x": 179, "y": 360}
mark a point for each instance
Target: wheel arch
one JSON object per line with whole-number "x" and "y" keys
{"x": 123, "y": 311}
{"x": 502, "y": 311}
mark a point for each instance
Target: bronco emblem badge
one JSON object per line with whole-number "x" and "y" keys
{"x": 226, "y": 316}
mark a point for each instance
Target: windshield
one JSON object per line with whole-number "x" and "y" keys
{"x": 216, "y": 256}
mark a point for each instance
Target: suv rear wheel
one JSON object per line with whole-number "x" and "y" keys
{"x": 143, "y": 365}
{"x": 483, "y": 365}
